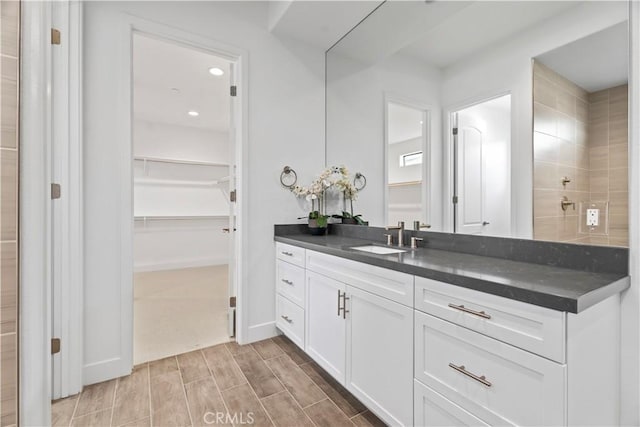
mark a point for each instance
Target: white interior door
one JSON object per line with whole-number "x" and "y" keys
{"x": 470, "y": 177}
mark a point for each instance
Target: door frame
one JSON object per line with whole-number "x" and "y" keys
{"x": 239, "y": 58}
{"x": 448, "y": 172}
{"x": 427, "y": 109}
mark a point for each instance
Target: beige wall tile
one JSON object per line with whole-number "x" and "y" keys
{"x": 544, "y": 92}
{"x": 566, "y": 152}
{"x": 9, "y": 104}
{"x": 8, "y": 138}
{"x": 618, "y": 156}
{"x": 544, "y": 119}
{"x": 602, "y": 95}
{"x": 546, "y": 203}
{"x": 618, "y": 203}
{"x": 8, "y": 194}
{"x": 566, "y": 127}
{"x": 545, "y": 147}
{"x": 10, "y": 12}
{"x": 619, "y": 179}
{"x": 545, "y": 229}
{"x": 9, "y": 379}
{"x": 599, "y": 157}
{"x": 545, "y": 175}
{"x": 582, "y": 156}
{"x": 566, "y": 103}
{"x": 598, "y": 134}
{"x": 582, "y": 110}
{"x": 8, "y": 287}
{"x": 599, "y": 181}
{"x": 582, "y": 133}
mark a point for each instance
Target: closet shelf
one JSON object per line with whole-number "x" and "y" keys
{"x": 178, "y": 182}
{"x": 179, "y": 161}
{"x": 178, "y": 217}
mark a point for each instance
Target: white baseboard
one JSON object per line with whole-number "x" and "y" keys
{"x": 178, "y": 264}
{"x": 104, "y": 370}
{"x": 260, "y": 332}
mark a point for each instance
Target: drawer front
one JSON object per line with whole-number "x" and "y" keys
{"x": 536, "y": 329}
{"x": 431, "y": 409}
{"x": 290, "y": 281}
{"x": 386, "y": 283}
{"x": 289, "y": 253}
{"x": 290, "y": 320}
{"x": 498, "y": 383}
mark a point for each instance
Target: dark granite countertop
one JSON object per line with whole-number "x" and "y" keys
{"x": 549, "y": 286}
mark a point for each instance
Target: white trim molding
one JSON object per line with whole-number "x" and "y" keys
{"x": 630, "y": 334}
{"x": 35, "y": 217}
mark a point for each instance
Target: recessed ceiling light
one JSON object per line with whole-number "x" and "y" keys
{"x": 421, "y": 122}
{"x": 215, "y": 71}
{"x": 193, "y": 113}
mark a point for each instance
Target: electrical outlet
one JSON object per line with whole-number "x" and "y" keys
{"x": 593, "y": 217}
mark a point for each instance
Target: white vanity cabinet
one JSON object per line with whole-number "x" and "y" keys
{"x": 290, "y": 288}
{"x": 420, "y": 352}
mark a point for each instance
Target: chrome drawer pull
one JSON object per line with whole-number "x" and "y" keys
{"x": 288, "y": 282}
{"x": 286, "y": 253}
{"x": 468, "y": 310}
{"x": 286, "y": 318}
{"x": 462, "y": 370}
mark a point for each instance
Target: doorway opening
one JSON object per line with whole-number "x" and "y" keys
{"x": 183, "y": 187}
{"x": 407, "y": 162}
{"x": 481, "y": 168}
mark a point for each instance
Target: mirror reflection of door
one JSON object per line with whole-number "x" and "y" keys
{"x": 481, "y": 168}
{"x": 406, "y": 163}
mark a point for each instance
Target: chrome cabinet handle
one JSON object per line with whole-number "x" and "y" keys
{"x": 339, "y": 296}
{"x": 288, "y": 282}
{"x": 344, "y": 305}
{"x": 468, "y": 310}
{"x": 462, "y": 370}
{"x": 286, "y": 318}
{"x": 286, "y": 253}
{"x": 485, "y": 223}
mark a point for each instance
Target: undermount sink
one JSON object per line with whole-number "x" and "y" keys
{"x": 378, "y": 249}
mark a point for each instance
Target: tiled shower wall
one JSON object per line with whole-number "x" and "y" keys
{"x": 9, "y": 53}
{"x": 608, "y": 160}
{"x": 583, "y": 137}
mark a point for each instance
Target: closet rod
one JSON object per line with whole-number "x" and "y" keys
{"x": 178, "y": 161}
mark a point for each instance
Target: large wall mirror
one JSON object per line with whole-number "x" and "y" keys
{"x": 496, "y": 118}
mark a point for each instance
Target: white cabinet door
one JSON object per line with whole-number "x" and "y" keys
{"x": 496, "y": 382}
{"x": 380, "y": 355}
{"x": 325, "y": 324}
{"x": 433, "y": 410}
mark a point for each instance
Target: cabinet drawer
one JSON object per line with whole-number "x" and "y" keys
{"x": 496, "y": 382}
{"x": 536, "y": 329}
{"x": 289, "y": 253}
{"x": 290, "y": 320}
{"x": 431, "y": 409}
{"x": 386, "y": 283}
{"x": 290, "y": 281}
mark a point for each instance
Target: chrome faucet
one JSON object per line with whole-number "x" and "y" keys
{"x": 400, "y": 228}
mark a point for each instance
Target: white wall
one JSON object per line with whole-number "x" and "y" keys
{"x": 507, "y": 68}
{"x": 405, "y": 173}
{"x": 179, "y": 142}
{"x": 355, "y": 123}
{"x": 285, "y": 127}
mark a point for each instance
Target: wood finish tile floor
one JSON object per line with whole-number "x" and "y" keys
{"x": 268, "y": 383}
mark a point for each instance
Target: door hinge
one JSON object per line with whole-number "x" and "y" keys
{"x": 234, "y": 90}
{"x": 55, "y": 36}
{"x": 55, "y": 345}
{"x": 455, "y": 199}
{"x": 232, "y": 302}
{"x": 455, "y": 131}
{"x": 232, "y": 196}
{"x": 56, "y": 191}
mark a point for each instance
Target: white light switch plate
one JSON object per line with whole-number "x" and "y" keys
{"x": 593, "y": 217}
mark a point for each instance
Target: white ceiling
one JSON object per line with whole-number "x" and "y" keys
{"x": 479, "y": 25}
{"x": 158, "y": 67}
{"x": 605, "y": 65}
{"x": 404, "y": 123}
{"x": 318, "y": 23}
